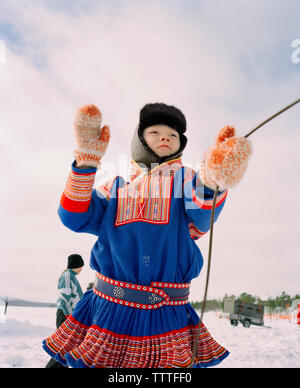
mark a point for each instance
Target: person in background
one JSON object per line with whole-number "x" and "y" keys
{"x": 298, "y": 316}
{"x": 69, "y": 293}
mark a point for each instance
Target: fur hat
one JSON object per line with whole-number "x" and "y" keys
{"x": 75, "y": 261}
{"x": 153, "y": 114}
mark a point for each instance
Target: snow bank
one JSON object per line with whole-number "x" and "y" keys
{"x": 21, "y": 333}
{"x": 23, "y": 329}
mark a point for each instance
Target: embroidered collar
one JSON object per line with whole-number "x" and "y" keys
{"x": 164, "y": 169}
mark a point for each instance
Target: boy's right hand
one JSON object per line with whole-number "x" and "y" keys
{"x": 91, "y": 139}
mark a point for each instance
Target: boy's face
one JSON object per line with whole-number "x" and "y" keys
{"x": 162, "y": 139}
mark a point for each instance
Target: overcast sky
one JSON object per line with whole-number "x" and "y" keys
{"x": 220, "y": 62}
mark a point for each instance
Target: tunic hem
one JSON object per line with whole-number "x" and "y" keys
{"x": 80, "y": 346}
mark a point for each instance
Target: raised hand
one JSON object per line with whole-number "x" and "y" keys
{"x": 225, "y": 163}
{"x": 91, "y": 139}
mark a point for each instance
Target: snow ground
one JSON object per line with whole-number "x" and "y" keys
{"x": 23, "y": 329}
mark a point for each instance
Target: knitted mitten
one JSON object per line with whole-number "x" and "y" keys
{"x": 225, "y": 163}
{"x": 91, "y": 139}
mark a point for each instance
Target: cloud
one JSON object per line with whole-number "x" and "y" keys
{"x": 221, "y": 63}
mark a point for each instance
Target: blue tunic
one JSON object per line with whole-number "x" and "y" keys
{"x": 146, "y": 231}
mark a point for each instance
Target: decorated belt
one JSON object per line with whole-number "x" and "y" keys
{"x": 156, "y": 295}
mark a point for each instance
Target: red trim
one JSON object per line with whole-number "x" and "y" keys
{"x": 127, "y": 336}
{"x": 74, "y": 206}
{"x": 143, "y": 287}
{"x": 77, "y": 323}
{"x": 195, "y": 233}
{"x": 202, "y": 203}
{"x": 83, "y": 173}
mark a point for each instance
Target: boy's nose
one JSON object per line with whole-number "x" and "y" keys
{"x": 164, "y": 137}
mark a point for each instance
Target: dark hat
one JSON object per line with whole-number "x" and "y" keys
{"x": 153, "y": 114}
{"x": 159, "y": 113}
{"x": 75, "y": 261}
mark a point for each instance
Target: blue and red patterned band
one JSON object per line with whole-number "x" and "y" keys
{"x": 156, "y": 295}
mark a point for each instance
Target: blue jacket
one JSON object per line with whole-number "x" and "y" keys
{"x": 147, "y": 227}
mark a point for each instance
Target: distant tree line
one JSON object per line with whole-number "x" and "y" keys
{"x": 281, "y": 302}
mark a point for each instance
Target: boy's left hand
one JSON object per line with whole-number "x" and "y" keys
{"x": 225, "y": 163}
